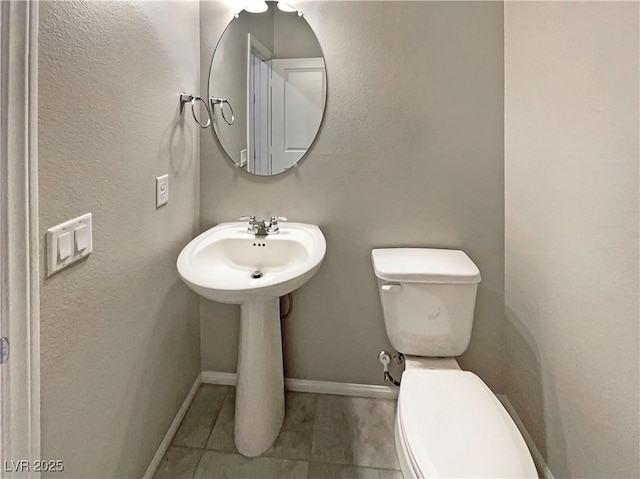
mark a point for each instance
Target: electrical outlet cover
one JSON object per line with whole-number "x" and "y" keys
{"x": 162, "y": 190}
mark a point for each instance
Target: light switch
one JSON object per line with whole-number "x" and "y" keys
{"x": 64, "y": 246}
{"x": 68, "y": 243}
{"x": 82, "y": 237}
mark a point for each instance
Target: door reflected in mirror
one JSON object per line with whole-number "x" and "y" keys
{"x": 269, "y": 67}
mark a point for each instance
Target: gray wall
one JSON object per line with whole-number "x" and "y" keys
{"x": 119, "y": 331}
{"x": 288, "y": 26}
{"x": 571, "y": 154}
{"x": 410, "y": 153}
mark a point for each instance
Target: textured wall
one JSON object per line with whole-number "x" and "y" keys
{"x": 571, "y": 174}
{"x": 119, "y": 331}
{"x": 410, "y": 153}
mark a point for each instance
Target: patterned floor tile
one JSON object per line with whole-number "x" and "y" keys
{"x": 319, "y": 470}
{"x": 178, "y": 463}
{"x": 214, "y": 465}
{"x": 354, "y": 431}
{"x": 196, "y": 425}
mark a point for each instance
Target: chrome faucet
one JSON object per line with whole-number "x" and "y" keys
{"x": 263, "y": 227}
{"x": 274, "y": 228}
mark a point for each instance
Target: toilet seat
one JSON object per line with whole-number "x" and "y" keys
{"x": 450, "y": 424}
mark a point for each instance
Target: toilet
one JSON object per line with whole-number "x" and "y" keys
{"x": 448, "y": 422}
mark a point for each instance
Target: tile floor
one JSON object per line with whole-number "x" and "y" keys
{"x": 323, "y": 437}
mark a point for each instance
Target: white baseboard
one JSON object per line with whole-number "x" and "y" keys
{"x": 538, "y": 459}
{"x": 311, "y": 386}
{"x": 164, "y": 445}
{"x": 341, "y": 389}
{"x": 214, "y": 377}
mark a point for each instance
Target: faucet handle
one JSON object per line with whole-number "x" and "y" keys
{"x": 273, "y": 224}
{"x": 253, "y": 225}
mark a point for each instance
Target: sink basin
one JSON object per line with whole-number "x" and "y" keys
{"x": 229, "y": 265}
{"x": 222, "y": 263}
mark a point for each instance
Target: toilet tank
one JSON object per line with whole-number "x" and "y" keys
{"x": 428, "y": 299}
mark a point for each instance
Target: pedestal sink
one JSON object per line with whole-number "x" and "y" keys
{"x": 229, "y": 265}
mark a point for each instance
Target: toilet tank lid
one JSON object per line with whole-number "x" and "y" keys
{"x": 424, "y": 265}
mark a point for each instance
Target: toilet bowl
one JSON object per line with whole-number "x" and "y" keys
{"x": 448, "y": 422}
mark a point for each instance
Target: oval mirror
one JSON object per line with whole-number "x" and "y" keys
{"x": 267, "y": 88}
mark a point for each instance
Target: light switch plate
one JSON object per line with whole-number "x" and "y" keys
{"x": 71, "y": 231}
{"x": 162, "y": 190}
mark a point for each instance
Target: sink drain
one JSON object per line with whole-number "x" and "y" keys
{"x": 256, "y": 274}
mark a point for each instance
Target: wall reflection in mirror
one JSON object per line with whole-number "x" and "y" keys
{"x": 269, "y": 67}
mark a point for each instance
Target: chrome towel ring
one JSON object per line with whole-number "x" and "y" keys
{"x": 222, "y": 101}
{"x": 194, "y": 99}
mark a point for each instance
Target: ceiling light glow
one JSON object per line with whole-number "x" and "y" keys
{"x": 256, "y": 6}
{"x": 285, "y": 7}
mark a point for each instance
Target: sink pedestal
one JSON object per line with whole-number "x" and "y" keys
{"x": 219, "y": 265}
{"x": 260, "y": 384}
